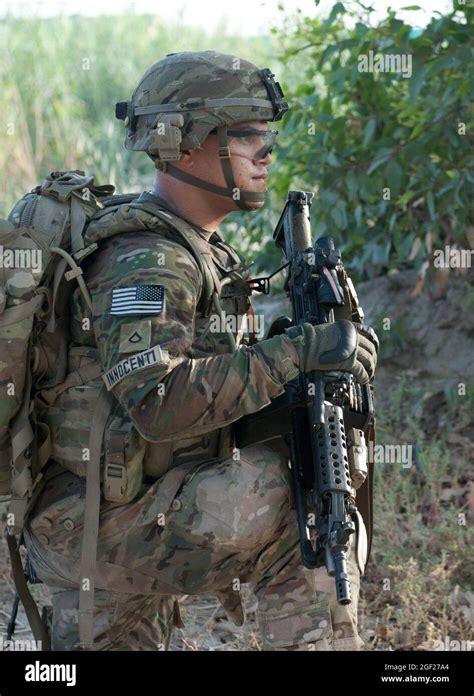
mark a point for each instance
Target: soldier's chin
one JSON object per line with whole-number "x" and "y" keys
{"x": 252, "y": 205}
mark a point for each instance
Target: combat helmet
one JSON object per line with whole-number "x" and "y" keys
{"x": 185, "y": 96}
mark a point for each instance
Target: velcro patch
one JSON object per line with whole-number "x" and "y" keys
{"x": 135, "y": 336}
{"x": 137, "y": 299}
{"x": 135, "y": 363}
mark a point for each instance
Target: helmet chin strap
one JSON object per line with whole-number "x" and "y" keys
{"x": 241, "y": 198}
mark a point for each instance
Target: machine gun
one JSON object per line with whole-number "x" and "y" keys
{"x": 324, "y": 418}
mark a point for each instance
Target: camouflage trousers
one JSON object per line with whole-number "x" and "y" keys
{"x": 230, "y": 521}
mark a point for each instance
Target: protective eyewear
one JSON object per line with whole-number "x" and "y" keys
{"x": 251, "y": 142}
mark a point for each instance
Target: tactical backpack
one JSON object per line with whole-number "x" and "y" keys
{"x": 43, "y": 244}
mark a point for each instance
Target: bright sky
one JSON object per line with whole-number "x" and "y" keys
{"x": 242, "y": 16}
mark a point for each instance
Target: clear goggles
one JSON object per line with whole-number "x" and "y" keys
{"x": 251, "y": 143}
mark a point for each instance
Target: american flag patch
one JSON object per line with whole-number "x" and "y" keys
{"x": 138, "y": 299}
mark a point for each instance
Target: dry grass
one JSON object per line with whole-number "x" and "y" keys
{"x": 416, "y": 591}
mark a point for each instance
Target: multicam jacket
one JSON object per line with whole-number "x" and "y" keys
{"x": 166, "y": 358}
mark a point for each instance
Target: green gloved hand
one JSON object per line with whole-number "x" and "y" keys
{"x": 340, "y": 345}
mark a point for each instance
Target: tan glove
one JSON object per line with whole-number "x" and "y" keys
{"x": 340, "y": 345}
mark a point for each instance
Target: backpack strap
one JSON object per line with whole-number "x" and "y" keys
{"x": 16, "y": 313}
{"x": 60, "y": 271}
{"x": 45, "y": 398}
{"x": 212, "y": 286}
{"x": 22, "y": 438}
{"x": 37, "y": 625}
{"x": 192, "y": 241}
{"x": 90, "y": 536}
{"x": 118, "y": 199}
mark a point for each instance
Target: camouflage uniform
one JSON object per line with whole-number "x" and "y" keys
{"x": 201, "y": 521}
{"x": 201, "y": 517}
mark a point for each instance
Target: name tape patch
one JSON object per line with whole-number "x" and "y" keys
{"x": 138, "y": 299}
{"x": 135, "y": 363}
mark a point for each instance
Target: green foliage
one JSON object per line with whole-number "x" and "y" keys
{"x": 350, "y": 135}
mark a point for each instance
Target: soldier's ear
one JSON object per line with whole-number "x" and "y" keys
{"x": 186, "y": 158}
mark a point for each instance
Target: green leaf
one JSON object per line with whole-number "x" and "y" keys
{"x": 327, "y": 54}
{"x": 418, "y": 129}
{"x": 430, "y": 204}
{"x": 336, "y": 10}
{"x": 380, "y": 159}
{"x": 351, "y": 183}
{"x": 338, "y": 215}
{"x": 361, "y": 29}
{"x": 438, "y": 65}
{"x": 369, "y": 130}
{"x": 319, "y": 229}
{"x": 393, "y": 175}
{"x": 405, "y": 197}
{"x": 417, "y": 80}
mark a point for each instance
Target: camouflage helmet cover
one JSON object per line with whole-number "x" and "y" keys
{"x": 203, "y": 90}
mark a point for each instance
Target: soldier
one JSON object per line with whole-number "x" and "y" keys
{"x": 198, "y": 515}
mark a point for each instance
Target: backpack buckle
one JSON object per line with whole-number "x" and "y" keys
{"x": 115, "y": 482}
{"x": 82, "y": 253}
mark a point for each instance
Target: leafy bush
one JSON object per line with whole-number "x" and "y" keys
{"x": 385, "y": 154}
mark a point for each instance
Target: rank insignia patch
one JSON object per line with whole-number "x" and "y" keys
{"x": 135, "y": 336}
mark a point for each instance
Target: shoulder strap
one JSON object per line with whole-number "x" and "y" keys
{"x": 192, "y": 241}
{"x": 102, "y": 411}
